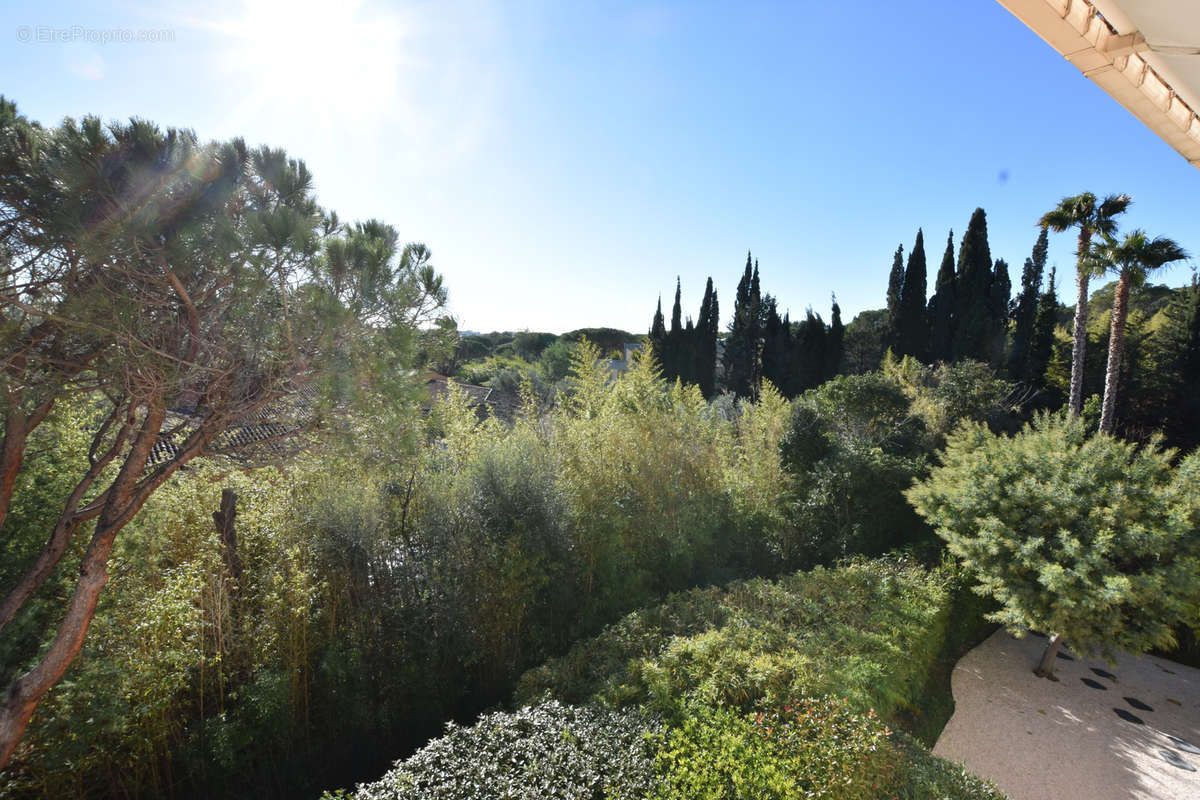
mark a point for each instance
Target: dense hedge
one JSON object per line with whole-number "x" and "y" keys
{"x": 868, "y": 631}
{"x": 721, "y": 667}
{"x": 548, "y": 750}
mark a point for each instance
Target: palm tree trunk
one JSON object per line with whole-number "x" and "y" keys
{"x": 1079, "y": 331}
{"x": 1079, "y": 344}
{"x": 1116, "y": 345}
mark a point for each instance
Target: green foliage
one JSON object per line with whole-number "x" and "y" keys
{"x": 1090, "y": 538}
{"x": 924, "y": 776}
{"x": 943, "y": 306}
{"x": 806, "y": 748}
{"x": 555, "y": 361}
{"x": 912, "y": 324}
{"x": 853, "y": 446}
{"x": 1022, "y": 365}
{"x": 973, "y": 310}
{"x": 546, "y": 750}
{"x": 867, "y": 632}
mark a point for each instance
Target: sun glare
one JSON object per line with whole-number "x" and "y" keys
{"x": 335, "y": 56}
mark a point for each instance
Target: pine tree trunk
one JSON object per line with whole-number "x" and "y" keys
{"x": 26, "y": 692}
{"x": 1045, "y": 669}
{"x": 1079, "y": 334}
{"x": 1116, "y": 347}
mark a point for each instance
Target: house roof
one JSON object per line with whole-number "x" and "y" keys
{"x": 438, "y": 385}
{"x": 1144, "y": 53}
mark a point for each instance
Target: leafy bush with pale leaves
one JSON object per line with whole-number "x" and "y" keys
{"x": 547, "y": 750}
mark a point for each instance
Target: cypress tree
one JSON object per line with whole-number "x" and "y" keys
{"x": 973, "y": 284}
{"x": 835, "y": 343}
{"x": 658, "y": 331}
{"x": 776, "y": 346}
{"x": 673, "y": 351}
{"x": 710, "y": 344}
{"x": 941, "y": 307}
{"x": 810, "y": 353}
{"x": 1024, "y": 311}
{"x": 894, "y": 293}
{"x": 913, "y": 327}
{"x": 705, "y": 342}
{"x": 1042, "y": 345}
{"x": 741, "y": 351}
{"x": 687, "y": 353}
{"x": 756, "y": 333}
{"x": 999, "y": 294}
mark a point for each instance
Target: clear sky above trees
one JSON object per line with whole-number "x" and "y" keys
{"x": 566, "y": 161}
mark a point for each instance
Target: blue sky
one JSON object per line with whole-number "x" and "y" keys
{"x": 566, "y": 160}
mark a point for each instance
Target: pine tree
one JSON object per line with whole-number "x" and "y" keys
{"x": 1025, "y": 309}
{"x": 835, "y": 344}
{"x": 895, "y": 292}
{"x": 998, "y": 295}
{"x": 1031, "y": 516}
{"x": 1042, "y": 346}
{"x": 973, "y": 283}
{"x": 942, "y": 306}
{"x": 913, "y": 327}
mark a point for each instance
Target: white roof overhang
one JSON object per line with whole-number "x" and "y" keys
{"x": 1144, "y": 53}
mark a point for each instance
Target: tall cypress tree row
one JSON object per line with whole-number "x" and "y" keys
{"x": 998, "y": 294}
{"x": 835, "y": 349}
{"x": 913, "y": 325}
{"x": 776, "y": 350}
{"x": 895, "y": 291}
{"x": 942, "y": 306}
{"x": 1024, "y": 311}
{"x": 810, "y": 353}
{"x": 973, "y": 290}
{"x": 688, "y": 356}
{"x": 1043, "y": 334}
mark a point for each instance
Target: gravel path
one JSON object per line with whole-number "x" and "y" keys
{"x": 1100, "y": 732}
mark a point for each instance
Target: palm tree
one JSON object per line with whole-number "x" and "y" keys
{"x": 1132, "y": 259}
{"x": 1083, "y": 212}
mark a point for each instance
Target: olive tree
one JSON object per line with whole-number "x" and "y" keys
{"x": 1092, "y": 540}
{"x": 199, "y": 298}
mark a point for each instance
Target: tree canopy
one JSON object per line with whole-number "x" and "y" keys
{"x": 199, "y": 298}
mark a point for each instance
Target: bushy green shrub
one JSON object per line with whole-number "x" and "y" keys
{"x": 852, "y": 447}
{"x": 924, "y": 776}
{"x": 867, "y": 631}
{"x": 543, "y": 751}
{"x": 812, "y": 748}
{"x": 1088, "y": 537}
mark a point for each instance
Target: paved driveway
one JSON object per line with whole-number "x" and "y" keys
{"x": 1100, "y": 733}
